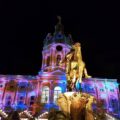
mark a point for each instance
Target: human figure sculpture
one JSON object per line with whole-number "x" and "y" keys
{"x": 75, "y": 67}
{"x": 76, "y": 105}
{"x": 77, "y": 108}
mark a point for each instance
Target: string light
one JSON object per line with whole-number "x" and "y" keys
{"x": 45, "y": 113}
{"x": 27, "y": 113}
{"x": 3, "y": 114}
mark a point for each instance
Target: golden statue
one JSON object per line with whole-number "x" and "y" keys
{"x": 75, "y": 67}
{"x": 76, "y": 105}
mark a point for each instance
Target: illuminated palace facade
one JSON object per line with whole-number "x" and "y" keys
{"x": 28, "y": 92}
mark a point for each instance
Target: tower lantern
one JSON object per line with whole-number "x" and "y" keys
{"x": 55, "y": 48}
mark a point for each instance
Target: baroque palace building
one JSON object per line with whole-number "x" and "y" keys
{"x": 41, "y": 91}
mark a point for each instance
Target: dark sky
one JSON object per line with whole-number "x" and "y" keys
{"x": 24, "y": 25}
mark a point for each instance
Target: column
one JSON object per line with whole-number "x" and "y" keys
{"x": 50, "y": 56}
{"x": 96, "y": 90}
{"x": 16, "y": 94}
{"x": 40, "y": 90}
{"x": 51, "y": 91}
{"x": 63, "y": 57}
{"x": 43, "y": 60}
{"x": 3, "y": 96}
{"x": 53, "y": 57}
{"x": 107, "y": 95}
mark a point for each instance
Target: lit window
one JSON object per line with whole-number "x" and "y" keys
{"x": 45, "y": 95}
{"x": 57, "y": 91}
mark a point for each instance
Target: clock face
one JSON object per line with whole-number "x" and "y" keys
{"x": 59, "y": 48}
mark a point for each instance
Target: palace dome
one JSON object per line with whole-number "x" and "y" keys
{"x": 58, "y": 36}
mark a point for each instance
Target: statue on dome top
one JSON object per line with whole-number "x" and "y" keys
{"x": 59, "y": 27}
{"x": 59, "y": 19}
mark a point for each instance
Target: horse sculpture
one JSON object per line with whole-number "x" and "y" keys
{"x": 75, "y": 67}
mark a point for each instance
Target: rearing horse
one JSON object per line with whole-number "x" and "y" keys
{"x": 75, "y": 67}
{"x": 82, "y": 71}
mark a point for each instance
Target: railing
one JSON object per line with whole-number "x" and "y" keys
{"x": 109, "y": 117}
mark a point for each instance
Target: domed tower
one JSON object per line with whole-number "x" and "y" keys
{"x": 52, "y": 77}
{"x": 55, "y": 48}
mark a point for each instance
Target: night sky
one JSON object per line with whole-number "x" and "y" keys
{"x": 24, "y": 26}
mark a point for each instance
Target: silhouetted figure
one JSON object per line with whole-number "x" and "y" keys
{"x": 13, "y": 116}
{"x": 57, "y": 115}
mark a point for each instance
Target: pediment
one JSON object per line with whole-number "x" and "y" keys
{"x": 58, "y": 72}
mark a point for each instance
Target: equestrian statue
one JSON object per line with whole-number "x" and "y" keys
{"x": 75, "y": 67}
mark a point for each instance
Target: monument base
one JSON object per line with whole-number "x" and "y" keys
{"x": 76, "y": 105}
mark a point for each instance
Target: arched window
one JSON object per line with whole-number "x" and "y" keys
{"x": 8, "y": 100}
{"x": 57, "y": 91}
{"x": 21, "y": 98}
{"x": 48, "y": 60}
{"x": 114, "y": 104}
{"x": 58, "y": 60}
{"x": 45, "y": 95}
